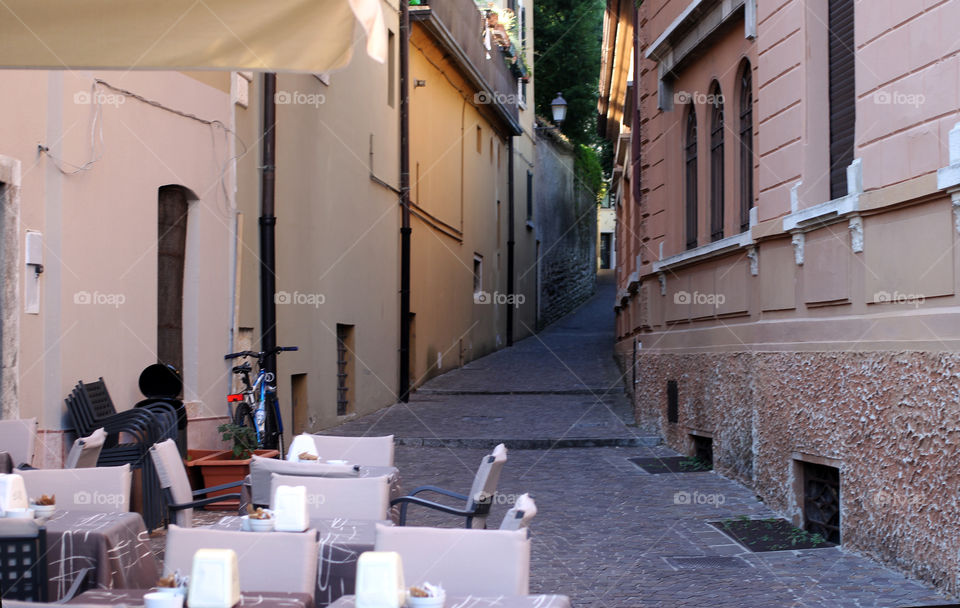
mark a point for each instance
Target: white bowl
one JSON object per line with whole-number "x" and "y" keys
{"x": 257, "y": 525}
{"x": 338, "y": 462}
{"x": 162, "y": 600}
{"x": 44, "y": 511}
{"x": 19, "y": 513}
{"x": 426, "y": 602}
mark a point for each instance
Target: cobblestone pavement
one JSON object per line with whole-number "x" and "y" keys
{"x": 605, "y": 528}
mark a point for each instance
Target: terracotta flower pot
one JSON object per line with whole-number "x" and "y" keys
{"x": 221, "y": 467}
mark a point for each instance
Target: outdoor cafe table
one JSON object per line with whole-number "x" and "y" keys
{"x": 134, "y": 598}
{"x": 261, "y": 496}
{"x": 115, "y": 545}
{"x": 471, "y": 601}
{"x": 341, "y": 543}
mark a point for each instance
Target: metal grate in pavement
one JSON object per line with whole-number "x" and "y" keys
{"x": 710, "y": 562}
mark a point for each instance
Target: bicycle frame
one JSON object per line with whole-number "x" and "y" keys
{"x": 256, "y": 397}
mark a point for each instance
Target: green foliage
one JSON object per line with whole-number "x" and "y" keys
{"x": 588, "y": 170}
{"x": 244, "y": 439}
{"x": 569, "y": 34}
{"x": 695, "y": 464}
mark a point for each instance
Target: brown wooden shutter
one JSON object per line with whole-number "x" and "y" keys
{"x": 690, "y": 158}
{"x": 843, "y": 107}
{"x": 716, "y": 166}
{"x": 746, "y": 146}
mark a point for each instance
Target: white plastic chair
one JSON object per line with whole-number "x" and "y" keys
{"x": 330, "y": 497}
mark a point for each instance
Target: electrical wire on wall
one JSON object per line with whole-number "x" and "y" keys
{"x": 96, "y": 133}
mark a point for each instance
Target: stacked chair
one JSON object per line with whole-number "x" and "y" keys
{"x": 130, "y": 434}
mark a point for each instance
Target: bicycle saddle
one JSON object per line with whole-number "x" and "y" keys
{"x": 242, "y": 368}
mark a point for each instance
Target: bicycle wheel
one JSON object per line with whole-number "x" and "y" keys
{"x": 244, "y": 416}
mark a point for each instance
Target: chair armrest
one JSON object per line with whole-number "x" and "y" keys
{"x": 225, "y": 486}
{"x": 438, "y": 491}
{"x": 204, "y": 501}
{"x": 404, "y": 501}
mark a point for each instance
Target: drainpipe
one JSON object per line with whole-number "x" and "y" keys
{"x": 405, "y": 202}
{"x": 268, "y": 224}
{"x": 510, "y": 244}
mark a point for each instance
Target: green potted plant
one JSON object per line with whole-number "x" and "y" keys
{"x": 227, "y": 466}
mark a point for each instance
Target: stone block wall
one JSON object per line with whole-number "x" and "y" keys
{"x": 886, "y": 420}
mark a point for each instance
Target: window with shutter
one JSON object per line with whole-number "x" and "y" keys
{"x": 746, "y": 146}
{"x": 716, "y": 164}
{"x": 842, "y": 91}
{"x": 690, "y": 158}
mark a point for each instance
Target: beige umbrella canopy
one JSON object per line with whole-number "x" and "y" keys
{"x": 274, "y": 35}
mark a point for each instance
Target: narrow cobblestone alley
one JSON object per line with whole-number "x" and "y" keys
{"x": 606, "y": 529}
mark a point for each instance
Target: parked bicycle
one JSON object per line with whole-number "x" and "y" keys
{"x": 257, "y": 403}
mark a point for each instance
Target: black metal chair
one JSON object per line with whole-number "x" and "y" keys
{"x": 130, "y": 434}
{"x": 23, "y": 554}
{"x": 476, "y": 504}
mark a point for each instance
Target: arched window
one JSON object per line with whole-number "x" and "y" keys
{"x": 690, "y": 159}
{"x": 746, "y": 145}
{"x": 716, "y": 164}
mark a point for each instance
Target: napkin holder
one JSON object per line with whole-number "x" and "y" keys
{"x": 380, "y": 580}
{"x": 290, "y": 509}
{"x": 214, "y": 579}
{"x": 13, "y": 493}
{"x": 300, "y": 444}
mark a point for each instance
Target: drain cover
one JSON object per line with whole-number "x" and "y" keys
{"x": 706, "y": 563}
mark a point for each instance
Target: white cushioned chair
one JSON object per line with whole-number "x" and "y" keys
{"x": 367, "y": 451}
{"x": 520, "y": 513}
{"x": 86, "y": 450}
{"x": 477, "y": 502}
{"x": 463, "y": 562}
{"x": 268, "y": 561}
{"x": 175, "y": 485}
{"x": 99, "y": 489}
{"x": 330, "y": 497}
{"x": 18, "y": 438}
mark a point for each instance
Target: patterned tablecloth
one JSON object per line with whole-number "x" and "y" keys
{"x": 134, "y": 599}
{"x": 115, "y": 545}
{"x": 516, "y": 601}
{"x": 261, "y": 496}
{"x": 341, "y": 543}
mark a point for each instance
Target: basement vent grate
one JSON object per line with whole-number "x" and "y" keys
{"x": 706, "y": 563}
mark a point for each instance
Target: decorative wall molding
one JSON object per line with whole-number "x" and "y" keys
{"x": 830, "y": 211}
{"x": 710, "y": 250}
{"x": 754, "y": 258}
{"x": 856, "y": 233}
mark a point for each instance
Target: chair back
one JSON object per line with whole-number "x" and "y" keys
{"x": 485, "y": 484}
{"x": 261, "y": 470}
{"x": 173, "y": 477}
{"x": 463, "y": 562}
{"x": 98, "y": 490}
{"x": 520, "y": 514}
{"x": 86, "y": 451}
{"x": 330, "y": 497}
{"x": 268, "y": 561}
{"x": 23, "y": 545}
{"x": 98, "y": 397}
{"x": 18, "y": 438}
{"x": 367, "y": 451}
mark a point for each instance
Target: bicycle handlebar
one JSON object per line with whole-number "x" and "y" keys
{"x": 261, "y": 354}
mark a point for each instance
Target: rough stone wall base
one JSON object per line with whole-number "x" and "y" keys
{"x": 890, "y": 421}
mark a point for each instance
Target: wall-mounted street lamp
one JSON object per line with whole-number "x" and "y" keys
{"x": 559, "y": 108}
